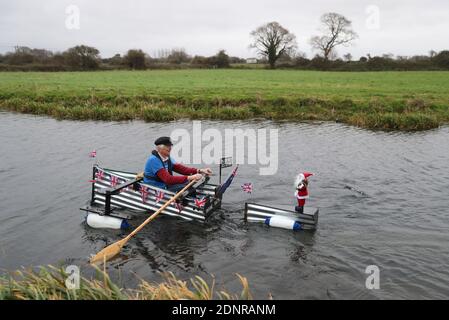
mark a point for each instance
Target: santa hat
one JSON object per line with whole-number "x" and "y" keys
{"x": 301, "y": 177}
{"x": 307, "y": 174}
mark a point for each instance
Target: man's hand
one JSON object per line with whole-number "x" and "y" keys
{"x": 206, "y": 171}
{"x": 195, "y": 177}
{"x": 140, "y": 175}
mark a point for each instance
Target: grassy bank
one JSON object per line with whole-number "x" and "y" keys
{"x": 49, "y": 284}
{"x": 377, "y": 100}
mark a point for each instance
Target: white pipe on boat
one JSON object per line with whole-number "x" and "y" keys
{"x": 97, "y": 221}
{"x": 283, "y": 222}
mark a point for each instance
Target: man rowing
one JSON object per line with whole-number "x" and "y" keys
{"x": 160, "y": 166}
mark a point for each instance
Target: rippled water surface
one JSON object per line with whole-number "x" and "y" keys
{"x": 383, "y": 200}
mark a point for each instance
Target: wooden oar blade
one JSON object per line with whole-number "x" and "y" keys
{"x": 113, "y": 249}
{"x": 108, "y": 253}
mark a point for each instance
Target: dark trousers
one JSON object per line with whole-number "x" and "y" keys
{"x": 178, "y": 187}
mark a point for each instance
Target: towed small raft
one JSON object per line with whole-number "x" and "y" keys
{"x": 115, "y": 189}
{"x": 282, "y": 217}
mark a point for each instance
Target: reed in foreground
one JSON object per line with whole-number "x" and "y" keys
{"x": 49, "y": 283}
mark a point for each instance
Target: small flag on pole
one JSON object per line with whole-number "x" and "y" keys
{"x": 247, "y": 187}
{"x": 228, "y": 181}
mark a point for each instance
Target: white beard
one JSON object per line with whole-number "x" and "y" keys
{"x": 299, "y": 181}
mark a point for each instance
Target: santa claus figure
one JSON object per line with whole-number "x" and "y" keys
{"x": 302, "y": 193}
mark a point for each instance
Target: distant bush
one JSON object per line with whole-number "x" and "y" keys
{"x": 33, "y": 67}
{"x": 377, "y": 63}
{"x": 220, "y": 60}
{"x": 135, "y": 59}
{"x": 116, "y": 60}
{"x": 301, "y": 62}
{"x": 200, "y": 62}
{"x": 442, "y": 59}
{"x": 363, "y": 59}
{"x": 82, "y": 58}
{"x": 26, "y": 55}
{"x": 178, "y": 56}
{"x": 319, "y": 63}
{"x": 236, "y": 60}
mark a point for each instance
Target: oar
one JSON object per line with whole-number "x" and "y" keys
{"x": 113, "y": 249}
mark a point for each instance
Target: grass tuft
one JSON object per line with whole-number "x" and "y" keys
{"x": 48, "y": 283}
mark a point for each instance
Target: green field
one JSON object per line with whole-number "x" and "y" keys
{"x": 384, "y": 100}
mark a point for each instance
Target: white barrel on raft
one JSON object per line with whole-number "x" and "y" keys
{"x": 259, "y": 213}
{"x": 283, "y": 222}
{"x": 97, "y": 221}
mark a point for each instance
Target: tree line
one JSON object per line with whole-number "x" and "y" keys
{"x": 85, "y": 58}
{"x": 275, "y": 45}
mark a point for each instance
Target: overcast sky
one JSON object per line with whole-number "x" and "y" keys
{"x": 402, "y": 27}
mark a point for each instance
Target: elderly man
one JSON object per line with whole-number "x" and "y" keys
{"x": 160, "y": 167}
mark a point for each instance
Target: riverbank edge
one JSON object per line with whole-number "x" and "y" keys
{"x": 49, "y": 283}
{"x": 387, "y": 114}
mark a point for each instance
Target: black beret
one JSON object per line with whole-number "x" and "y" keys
{"x": 166, "y": 141}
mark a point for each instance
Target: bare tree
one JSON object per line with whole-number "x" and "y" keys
{"x": 272, "y": 41}
{"x": 337, "y": 31}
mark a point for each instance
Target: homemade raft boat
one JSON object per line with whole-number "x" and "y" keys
{"x": 282, "y": 217}
{"x": 114, "y": 189}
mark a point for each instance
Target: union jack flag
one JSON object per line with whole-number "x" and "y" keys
{"x": 99, "y": 175}
{"x": 93, "y": 154}
{"x": 200, "y": 202}
{"x": 144, "y": 191}
{"x": 228, "y": 181}
{"x": 114, "y": 181}
{"x": 159, "y": 195}
{"x": 247, "y": 187}
{"x": 179, "y": 207}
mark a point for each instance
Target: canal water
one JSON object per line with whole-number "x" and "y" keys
{"x": 383, "y": 199}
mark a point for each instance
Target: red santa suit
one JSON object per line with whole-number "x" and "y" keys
{"x": 302, "y": 193}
